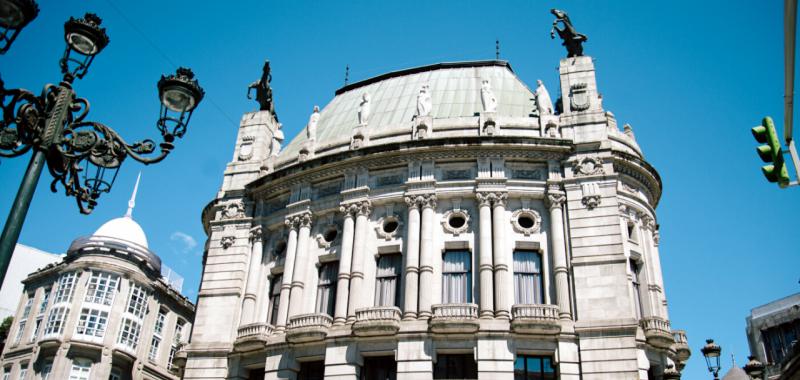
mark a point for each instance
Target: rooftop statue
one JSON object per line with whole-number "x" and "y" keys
{"x": 311, "y": 128}
{"x": 487, "y": 97}
{"x": 263, "y": 90}
{"x": 424, "y": 101}
{"x": 543, "y": 103}
{"x": 364, "y": 110}
{"x": 277, "y": 140}
{"x": 571, "y": 38}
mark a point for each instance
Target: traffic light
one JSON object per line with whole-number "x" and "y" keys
{"x": 771, "y": 152}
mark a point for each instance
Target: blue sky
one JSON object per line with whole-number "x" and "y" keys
{"x": 690, "y": 77}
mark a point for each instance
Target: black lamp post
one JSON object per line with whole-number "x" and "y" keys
{"x": 711, "y": 352}
{"x": 754, "y": 368}
{"x": 14, "y": 15}
{"x": 84, "y": 156}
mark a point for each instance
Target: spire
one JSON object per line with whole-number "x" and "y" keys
{"x": 132, "y": 202}
{"x": 497, "y": 48}
{"x": 346, "y": 74}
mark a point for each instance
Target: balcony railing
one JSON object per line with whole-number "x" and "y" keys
{"x": 252, "y": 336}
{"x": 308, "y": 327}
{"x": 455, "y": 318}
{"x": 535, "y": 319}
{"x": 681, "y": 345}
{"x": 657, "y": 331}
{"x": 379, "y": 320}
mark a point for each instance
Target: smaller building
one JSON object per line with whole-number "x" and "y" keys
{"x": 772, "y": 331}
{"x": 104, "y": 312}
{"x": 25, "y": 260}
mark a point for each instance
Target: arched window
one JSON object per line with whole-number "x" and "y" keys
{"x": 528, "y": 287}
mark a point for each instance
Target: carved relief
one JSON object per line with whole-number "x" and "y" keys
{"x": 246, "y": 148}
{"x": 526, "y": 221}
{"x": 591, "y": 195}
{"x": 579, "y": 97}
{"x": 233, "y": 210}
{"x": 456, "y": 221}
{"x": 227, "y": 241}
{"x": 555, "y": 198}
{"x": 330, "y": 235}
{"x": 589, "y": 166}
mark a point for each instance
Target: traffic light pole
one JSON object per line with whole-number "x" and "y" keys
{"x": 796, "y": 162}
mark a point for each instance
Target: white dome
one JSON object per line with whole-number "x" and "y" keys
{"x": 124, "y": 228}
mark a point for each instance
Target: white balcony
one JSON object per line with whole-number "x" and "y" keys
{"x": 455, "y": 318}
{"x": 535, "y": 319}
{"x": 379, "y": 320}
{"x": 658, "y": 332}
{"x": 252, "y": 336}
{"x": 308, "y": 327}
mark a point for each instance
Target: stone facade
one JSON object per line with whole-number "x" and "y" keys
{"x": 104, "y": 312}
{"x": 493, "y": 242}
{"x": 772, "y": 332}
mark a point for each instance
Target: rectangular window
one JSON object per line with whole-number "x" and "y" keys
{"x": 160, "y": 320}
{"x": 20, "y": 331}
{"x": 528, "y": 367}
{"x": 101, "y": 288}
{"x": 154, "y": 343}
{"x": 66, "y": 285}
{"x": 380, "y": 367}
{"x": 172, "y": 350}
{"x": 456, "y": 277}
{"x": 28, "y": 304}
{"x": 455, "y": 366}
{"x": 92, "y": 322}
{"x": 129, "y": 333}
{"x": 56, "y": 321}
{"x": 637, "y": 297}
{"x": 23, "y": 372}
{"x": 311, "y": 370}
{"x": 46, "y": 369}
{"x": 115, "y": 375}
{"x": 45, "y": 298}
{"x": 36, "y": 327}
{"x": 632, "y": 233}
{"x": 81, "y": 369}
{"x": 275, "y": 299}
{"x": 528, "y": 287}
{"x": 179, "y": 330}
{"x": 326, "y": 289}
{"x": 137, "y": 300}
{"x": 387, "y": 280}
{"x": 6, "y": 373}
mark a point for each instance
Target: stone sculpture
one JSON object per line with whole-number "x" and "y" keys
{"x": 424, "y": 102}
{"x": 487, "y": 97}
{"x": 364, "y": 109}
{"x": 263, "y": 90}
{"x": 277, "y": 140}
{"x": 311, "y": 128}
{"x": 572, "y": 40}
{"x": 543, "y": 103}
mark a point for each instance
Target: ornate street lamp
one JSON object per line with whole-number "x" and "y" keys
{"x": 84, "y": 156}
{"x": 14, "y": 15}
{"x": 711, "y": 352}
{"x": 754, "y": 368}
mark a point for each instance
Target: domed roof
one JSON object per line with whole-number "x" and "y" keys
{"x": 455, "y": 90}
{"x": 124, "y": 228}
{"x": 736, "y": 373}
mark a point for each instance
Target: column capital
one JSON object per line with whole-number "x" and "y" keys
{"x": 421, "y": 200}
{"x": 411, "y": 201}
{"x": 303, "y": 219}
{"x": 656, "y": 236}
{"x": 257, "y": 233}
{"x": 360, "y": 207}
{"x": 486, "y": 198}
{"x": 555, "y": 197}
{"x": 649, "y": 223}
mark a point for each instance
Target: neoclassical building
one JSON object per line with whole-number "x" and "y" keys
{"x": 104, "y": 312}
{"x": 440, "y": 222}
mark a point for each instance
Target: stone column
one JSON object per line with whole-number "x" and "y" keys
{"x": 300, "y": 260}
{"x": 412, "y": 260}
{"x": 426, "y": 257}
{"x": 288, "y": 272}
{"x": 503, "y": 278}
{"x": 357, "y": 294}
{"x": 556, "y": 199}
{"x": 253, "y": 274}
{"x": 485, "y": 264}
{"x": 343, "y": 280}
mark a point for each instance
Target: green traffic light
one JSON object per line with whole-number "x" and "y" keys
{"x": 771, "y": 152}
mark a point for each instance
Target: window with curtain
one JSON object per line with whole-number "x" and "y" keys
{"x": 528, "y": 287}
{"x": 637, "y": 297}
{"x": 456, "y": 277}
{"x": 326, "y": 289}
{"x": 275, "y": 299}
{"x": 387, "y": 280}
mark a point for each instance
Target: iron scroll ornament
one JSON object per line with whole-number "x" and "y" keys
{"x": 84, "y": 156}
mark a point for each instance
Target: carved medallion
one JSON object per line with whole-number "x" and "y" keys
{"x": 246, "y": 149}
{"x": 589, "y": 166}
{"x": 579, "y": 99}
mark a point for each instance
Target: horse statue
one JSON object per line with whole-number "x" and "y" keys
{"x": 263, "y": 90}
{"x": 572, "y": 39}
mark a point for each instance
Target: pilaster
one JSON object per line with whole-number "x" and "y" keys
{"x": 358, "y": 296}
{"x": 412, "y": 259}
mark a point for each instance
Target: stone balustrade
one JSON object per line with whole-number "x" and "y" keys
{"x": 252, "y": 336}
{"x": 455, "y": 318}
{"x": 658, "y": 332}
{"x": 379, "y": 320}
{"x": 681, "y": 345}
{"x": 535, "y": 319}
{"x": 308, "y": 327}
